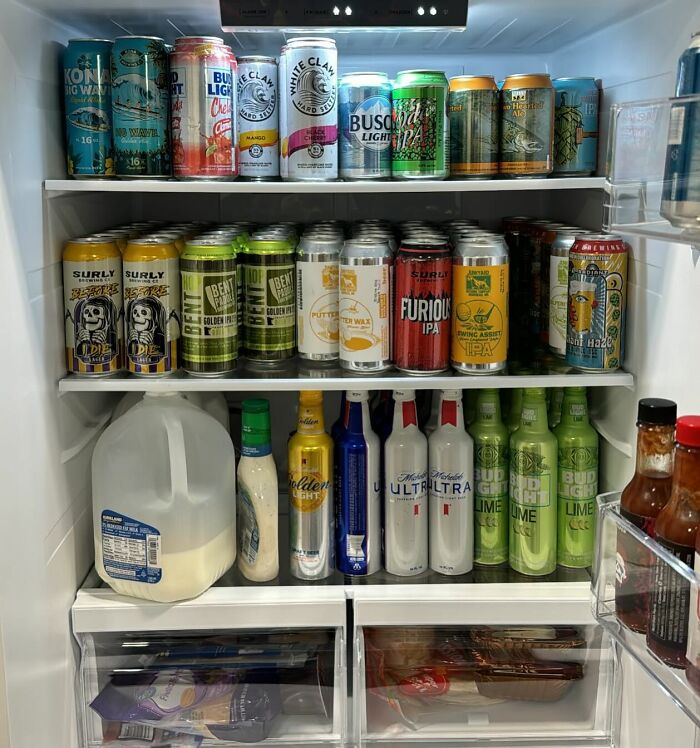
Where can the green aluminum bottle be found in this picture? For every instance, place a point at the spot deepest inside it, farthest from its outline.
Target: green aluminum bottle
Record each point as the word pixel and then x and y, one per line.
pixel 577 485
pixel 491 481
pixel 533 490
pixel 516 409
pixel 555 400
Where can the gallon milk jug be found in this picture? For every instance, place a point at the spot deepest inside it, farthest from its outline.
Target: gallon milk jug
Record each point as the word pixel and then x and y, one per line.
pixel 213 402
pixel 164 500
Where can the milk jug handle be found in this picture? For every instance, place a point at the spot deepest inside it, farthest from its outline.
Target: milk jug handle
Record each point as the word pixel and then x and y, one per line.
pixel 176 454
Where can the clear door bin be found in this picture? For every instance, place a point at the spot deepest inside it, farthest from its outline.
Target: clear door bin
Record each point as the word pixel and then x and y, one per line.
pixel 473 684
pixel 640 587
pixel 653 170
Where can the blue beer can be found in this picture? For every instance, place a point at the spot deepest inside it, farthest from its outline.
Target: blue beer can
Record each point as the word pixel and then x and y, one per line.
pixel 358 482
pixel 576 107
pixel 141 107
pixel 87 86
pixel 680 201
pixel 365 126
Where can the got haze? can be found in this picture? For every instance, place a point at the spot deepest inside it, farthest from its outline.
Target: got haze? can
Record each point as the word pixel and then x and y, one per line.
pixel 87 85
pixel 420 137
pixel 141 107
pixel 527 126
pixel 595 336
pixel 312 109
pixel 575 126
pixel 258 117
pixel 365 126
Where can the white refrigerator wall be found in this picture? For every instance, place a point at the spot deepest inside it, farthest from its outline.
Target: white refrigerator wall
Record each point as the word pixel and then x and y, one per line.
pixel 46 440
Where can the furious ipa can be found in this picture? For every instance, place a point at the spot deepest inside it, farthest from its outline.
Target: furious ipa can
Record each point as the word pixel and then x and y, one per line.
pixel 92 288
pixel 312 110
pixel 258 117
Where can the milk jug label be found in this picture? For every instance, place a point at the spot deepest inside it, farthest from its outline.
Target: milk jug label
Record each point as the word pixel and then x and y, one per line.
pixel 130 549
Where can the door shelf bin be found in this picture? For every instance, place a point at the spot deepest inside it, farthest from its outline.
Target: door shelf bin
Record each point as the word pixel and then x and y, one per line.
pixel 281 684
pixel 638 142
pixel 627 556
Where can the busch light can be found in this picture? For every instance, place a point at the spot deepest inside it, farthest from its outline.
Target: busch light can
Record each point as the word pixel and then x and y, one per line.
pixel 312 110
pixel 365 126
pixel 358 488
pixel 87 84
pixel 575 126
pixel 258 117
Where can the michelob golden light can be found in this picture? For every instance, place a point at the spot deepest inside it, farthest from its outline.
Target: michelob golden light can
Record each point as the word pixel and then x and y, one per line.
pixel 92 292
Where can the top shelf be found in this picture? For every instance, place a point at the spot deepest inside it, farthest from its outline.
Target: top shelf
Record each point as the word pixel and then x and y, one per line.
pixel 57 187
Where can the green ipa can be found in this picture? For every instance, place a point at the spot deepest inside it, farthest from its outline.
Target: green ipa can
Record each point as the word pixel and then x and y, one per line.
pixel 269 312
pixel 533 490
pixel 209 307
pixel 420 132
pixel 490 480
pixel 578 481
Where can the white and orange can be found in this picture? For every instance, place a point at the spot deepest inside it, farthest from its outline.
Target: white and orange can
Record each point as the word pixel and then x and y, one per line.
pixel 203 109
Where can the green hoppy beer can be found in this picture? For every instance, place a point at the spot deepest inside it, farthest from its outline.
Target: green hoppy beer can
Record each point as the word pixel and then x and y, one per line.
pixel 577 482
pixel 490 480
pixel 209 338
pixel 420 131
pixel 533 490
pixel 269 312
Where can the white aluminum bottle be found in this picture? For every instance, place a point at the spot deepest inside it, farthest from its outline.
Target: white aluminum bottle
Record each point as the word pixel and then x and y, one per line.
pixel 406 491
pixel 451 480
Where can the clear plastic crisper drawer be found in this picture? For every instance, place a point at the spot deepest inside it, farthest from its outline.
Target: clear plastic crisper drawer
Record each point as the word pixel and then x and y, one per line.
pixel 218 688
pixel 475 684
pixel 653 169
pixel 647 599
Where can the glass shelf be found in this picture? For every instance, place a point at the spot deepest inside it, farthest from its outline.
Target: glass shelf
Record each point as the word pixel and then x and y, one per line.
pixel 643 135
pixel 627 556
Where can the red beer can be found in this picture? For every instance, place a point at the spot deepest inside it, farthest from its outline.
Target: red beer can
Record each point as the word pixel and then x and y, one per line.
pixel 203 109
pixel 422 306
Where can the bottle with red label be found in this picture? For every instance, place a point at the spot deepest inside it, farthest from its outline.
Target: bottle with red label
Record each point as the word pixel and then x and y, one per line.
pixel 642 500
pixel 422 307
pixel 676 530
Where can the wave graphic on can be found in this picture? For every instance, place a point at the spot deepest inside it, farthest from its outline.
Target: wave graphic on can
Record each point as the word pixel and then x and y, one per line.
pixel 256 102
pixel 315 90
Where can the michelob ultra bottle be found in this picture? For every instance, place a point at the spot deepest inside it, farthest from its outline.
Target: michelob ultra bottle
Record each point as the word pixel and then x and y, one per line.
pixel 533 490
pixel 451 477
pixel 311 518
pixel 406 491
pixel 577 484
pixel 491 439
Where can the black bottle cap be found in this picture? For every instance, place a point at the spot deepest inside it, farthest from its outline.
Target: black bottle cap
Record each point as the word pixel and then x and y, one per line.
pixel 657 410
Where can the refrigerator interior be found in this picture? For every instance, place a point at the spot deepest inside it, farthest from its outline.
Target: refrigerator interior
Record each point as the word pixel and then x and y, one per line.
pixel 46 536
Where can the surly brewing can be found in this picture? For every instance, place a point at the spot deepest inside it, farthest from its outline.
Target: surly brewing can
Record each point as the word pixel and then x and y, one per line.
pixel 317 297
pixel 366 276
pixel 152 306
pixel 480 284
pixel 141 107
pixel 358 490
pixel 258 117
pixel 202 100
pixel 527 126
pixel 209 307
pixel 87 86
pixel 92 292
pixel 422 307
pixel 559 288
pixel 365 126
pixel 533 490
pixel 268 293
pixel 420 138
pixel 595 336
pixel 575 126
pixel 312 109
pixel 474 121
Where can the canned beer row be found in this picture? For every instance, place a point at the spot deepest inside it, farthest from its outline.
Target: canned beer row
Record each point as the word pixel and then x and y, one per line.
pixel 137 108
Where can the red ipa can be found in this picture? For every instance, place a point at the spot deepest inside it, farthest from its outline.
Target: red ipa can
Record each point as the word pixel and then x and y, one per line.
pixel 422 307
pixel 203 108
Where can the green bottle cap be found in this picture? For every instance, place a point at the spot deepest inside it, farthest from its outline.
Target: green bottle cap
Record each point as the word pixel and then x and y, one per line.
pixel 255 434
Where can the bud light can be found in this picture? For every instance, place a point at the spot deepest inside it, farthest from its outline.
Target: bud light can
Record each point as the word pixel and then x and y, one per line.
pixel 358 486
pixel 365 126
pixel 258 117
pixel 88 100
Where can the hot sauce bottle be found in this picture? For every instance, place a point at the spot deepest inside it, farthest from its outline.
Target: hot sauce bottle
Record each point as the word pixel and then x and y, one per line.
pixel 642 500
pixel 676 530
